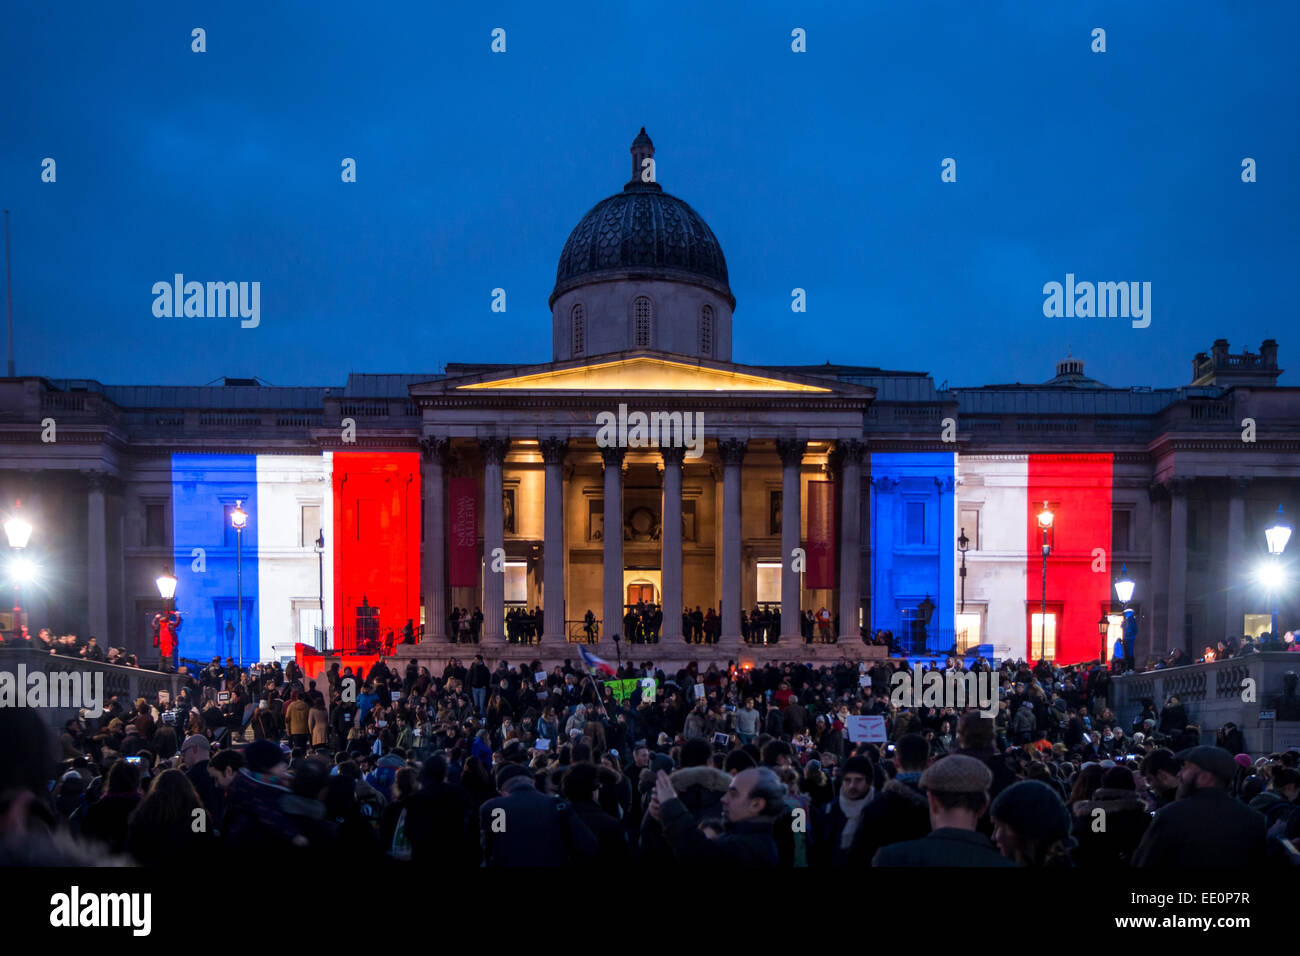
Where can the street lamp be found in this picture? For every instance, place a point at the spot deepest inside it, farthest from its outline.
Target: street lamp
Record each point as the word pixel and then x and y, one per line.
pixel 1045 518
pixel 238 520
pixel 963 545
pixel 1103 628
pixel 19 531
pixel 1124 586
pixel 1277 537
pixel 320 562
pixel 1124 591
pixel 166 587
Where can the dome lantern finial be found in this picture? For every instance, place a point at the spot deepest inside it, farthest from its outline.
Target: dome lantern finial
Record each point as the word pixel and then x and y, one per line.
pixel 643 175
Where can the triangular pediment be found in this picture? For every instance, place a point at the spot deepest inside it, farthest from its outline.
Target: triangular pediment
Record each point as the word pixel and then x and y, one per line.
pixel 646 373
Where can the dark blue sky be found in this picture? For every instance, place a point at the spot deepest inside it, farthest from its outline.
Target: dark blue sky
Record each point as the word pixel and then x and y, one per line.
pixel 818 170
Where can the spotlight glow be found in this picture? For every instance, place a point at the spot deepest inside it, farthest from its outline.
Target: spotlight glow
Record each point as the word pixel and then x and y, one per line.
pixel 1271 576
pixel 23 570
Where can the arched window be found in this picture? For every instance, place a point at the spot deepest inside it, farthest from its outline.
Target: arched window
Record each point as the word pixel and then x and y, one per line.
pixel 579 323
pixel 706 330
pixel 641 318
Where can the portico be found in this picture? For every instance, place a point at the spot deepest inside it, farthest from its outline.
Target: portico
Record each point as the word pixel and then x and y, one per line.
pixel 602 527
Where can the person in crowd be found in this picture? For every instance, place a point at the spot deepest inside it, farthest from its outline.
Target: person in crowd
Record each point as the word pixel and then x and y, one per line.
pixel 1204 826
pixel 900 812
pixel 750 808
pixel 106 818
pixel 1031 825
pixel 525 827
pixel 956 788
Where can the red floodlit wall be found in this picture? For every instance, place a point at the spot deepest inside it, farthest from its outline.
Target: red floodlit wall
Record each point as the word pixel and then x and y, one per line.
pixel 376 539
pixel 1078 488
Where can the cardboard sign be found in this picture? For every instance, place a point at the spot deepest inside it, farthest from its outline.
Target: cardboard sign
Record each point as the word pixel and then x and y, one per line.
pixel 542 745
pixel 648 689
pixel 864 680
pixel 164 697
pixel 866 729
pixel 223 697
pixel 699 691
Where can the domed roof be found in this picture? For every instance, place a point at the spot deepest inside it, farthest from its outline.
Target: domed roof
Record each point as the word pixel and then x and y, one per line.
pixel 642 229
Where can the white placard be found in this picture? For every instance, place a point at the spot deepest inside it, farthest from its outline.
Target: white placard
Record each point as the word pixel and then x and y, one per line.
pixel 866 729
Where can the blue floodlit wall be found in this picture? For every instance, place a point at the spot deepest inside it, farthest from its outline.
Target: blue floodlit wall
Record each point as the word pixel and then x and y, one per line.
pixel 913 543
pixel 203 486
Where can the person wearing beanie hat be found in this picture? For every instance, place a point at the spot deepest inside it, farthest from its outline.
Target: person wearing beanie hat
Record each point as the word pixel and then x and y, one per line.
pixel 1031 825
pixel 956 788
pixel 1205 826
pixel 846 810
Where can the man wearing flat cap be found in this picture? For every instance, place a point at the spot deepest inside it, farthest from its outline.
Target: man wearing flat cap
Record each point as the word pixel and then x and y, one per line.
pixel 957 788
pixel 1205 826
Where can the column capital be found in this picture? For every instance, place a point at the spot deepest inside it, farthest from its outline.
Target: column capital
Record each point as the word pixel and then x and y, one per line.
pixel 435 449
pixel 791 450
pixel 1158 491
pixel 1239 486
pixel 732 450
pixel 102 481
pixel 494 450
pixel 946 484
pixel 1179 487
pixel 852 451
pixel 673 454
pixel 553 450
pixel 612 455
pixel 883 485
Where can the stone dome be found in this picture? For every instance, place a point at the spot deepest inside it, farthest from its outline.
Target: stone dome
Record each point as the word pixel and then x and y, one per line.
pixel 642 232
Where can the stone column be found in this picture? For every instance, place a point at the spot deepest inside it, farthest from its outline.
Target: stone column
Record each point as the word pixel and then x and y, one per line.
pixel 1234 600
pixel 671 541
pixel 791 452
pixel 97 556
pixel 1177 635
pixel 433 558
pixel 1154 631
pixel 851 454
pixel 553 451
pixel 612 592
pixel 732 452
pixel 494 539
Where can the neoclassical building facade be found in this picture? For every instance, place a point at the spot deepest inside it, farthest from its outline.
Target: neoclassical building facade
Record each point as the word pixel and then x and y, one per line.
pixel 796 488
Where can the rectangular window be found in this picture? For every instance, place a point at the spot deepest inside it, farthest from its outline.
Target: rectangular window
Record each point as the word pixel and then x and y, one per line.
pixel 969 524
pixel 768 590
pixel 967 627
pixel 915 523
pixel 517 582
pixel 1121 523
pixel 155 531
pixel 310 526
pixel 1042 647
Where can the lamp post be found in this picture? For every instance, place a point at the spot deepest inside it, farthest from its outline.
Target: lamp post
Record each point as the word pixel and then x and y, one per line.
pixel 320 564
pixel 1045 518
pixel 1103 628
pixel 167 590
pixel 1277 538
pixel 19 531
pixel 1124 591
pixel 238 520
pixel 963 545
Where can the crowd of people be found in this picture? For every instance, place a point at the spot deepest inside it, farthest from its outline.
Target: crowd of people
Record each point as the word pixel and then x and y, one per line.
pixel 515 765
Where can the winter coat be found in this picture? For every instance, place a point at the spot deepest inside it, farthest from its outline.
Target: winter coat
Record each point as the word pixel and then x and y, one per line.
pixel 947 846
pixel 700 790
pixel 1125 820
pixel 1207 828
pixel 899 812
pixel 746 844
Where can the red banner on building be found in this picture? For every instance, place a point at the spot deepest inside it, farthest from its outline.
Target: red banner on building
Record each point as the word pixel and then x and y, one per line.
pixel 462 533
pixel 821 535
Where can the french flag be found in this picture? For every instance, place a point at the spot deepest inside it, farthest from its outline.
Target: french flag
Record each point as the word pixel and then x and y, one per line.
pixel 595 663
